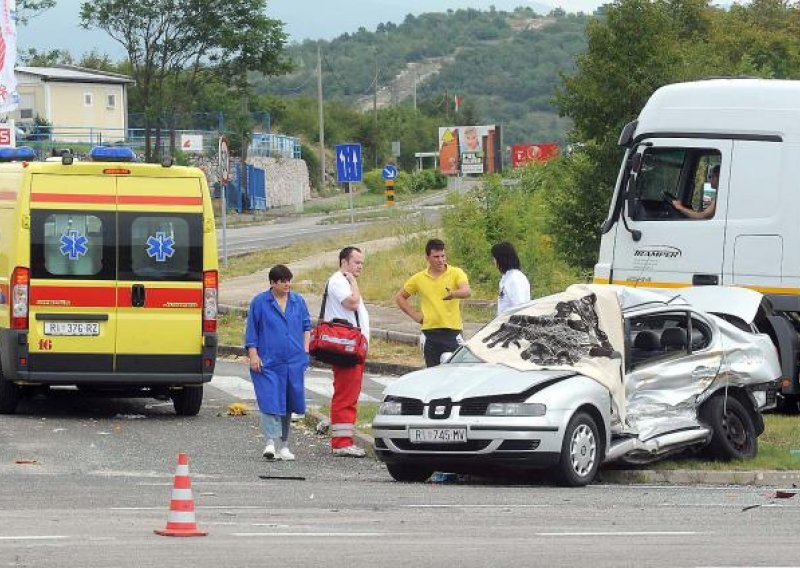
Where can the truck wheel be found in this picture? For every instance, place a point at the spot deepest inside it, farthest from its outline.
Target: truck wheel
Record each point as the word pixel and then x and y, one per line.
pixel 789 404
pixel 733 432
pixel 408 473
pixel 581 452
pixel 187 401
pixel 9 396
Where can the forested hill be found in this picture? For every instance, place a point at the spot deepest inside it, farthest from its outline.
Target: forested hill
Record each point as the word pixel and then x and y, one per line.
pixel 505 65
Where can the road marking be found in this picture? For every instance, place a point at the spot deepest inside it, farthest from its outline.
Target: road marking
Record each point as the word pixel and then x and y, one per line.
pixel 256 507
pixel 32 537
pixel 323 386
pixel 621 533
pixel 384 380
pixel 234 386
pixel 317 535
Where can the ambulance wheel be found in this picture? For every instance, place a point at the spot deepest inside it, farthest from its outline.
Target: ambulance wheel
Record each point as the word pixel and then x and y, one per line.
pixel 9 396
pixel 187 401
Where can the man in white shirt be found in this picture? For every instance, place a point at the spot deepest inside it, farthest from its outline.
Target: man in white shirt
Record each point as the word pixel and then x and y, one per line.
pixel 344 302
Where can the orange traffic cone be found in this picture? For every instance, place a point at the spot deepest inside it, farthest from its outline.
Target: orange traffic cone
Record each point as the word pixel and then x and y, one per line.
pixel 181 508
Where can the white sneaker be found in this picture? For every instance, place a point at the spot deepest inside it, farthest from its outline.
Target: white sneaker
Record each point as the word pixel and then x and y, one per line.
pixel 269 450
pixel 352 451
pixel 285 454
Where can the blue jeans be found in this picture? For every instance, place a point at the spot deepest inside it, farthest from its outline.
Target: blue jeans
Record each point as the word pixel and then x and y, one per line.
pixel 276 426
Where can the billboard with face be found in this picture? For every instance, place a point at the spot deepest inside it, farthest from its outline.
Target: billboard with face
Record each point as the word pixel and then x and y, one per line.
pixel 469 149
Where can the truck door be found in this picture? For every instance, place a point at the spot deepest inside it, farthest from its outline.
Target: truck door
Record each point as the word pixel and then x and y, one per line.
pixel 160 288
pixel 680 246
pixel 73 274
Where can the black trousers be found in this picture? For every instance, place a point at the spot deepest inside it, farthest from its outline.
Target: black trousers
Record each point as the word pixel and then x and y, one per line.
pixel 438 341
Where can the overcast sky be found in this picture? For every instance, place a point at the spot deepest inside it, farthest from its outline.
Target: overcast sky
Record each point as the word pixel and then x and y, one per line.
pixel 59 27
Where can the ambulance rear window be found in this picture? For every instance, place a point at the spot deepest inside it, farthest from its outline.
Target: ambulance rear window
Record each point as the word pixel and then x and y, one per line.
pixel 72 244
pixel 155 246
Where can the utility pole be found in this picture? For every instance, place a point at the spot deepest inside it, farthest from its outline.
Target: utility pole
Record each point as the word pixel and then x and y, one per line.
pixel 375 109
pixel 415 87
pixel 321 120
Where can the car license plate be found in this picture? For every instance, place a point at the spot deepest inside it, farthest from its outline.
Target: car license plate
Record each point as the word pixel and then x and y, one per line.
pixel 71 328
pixel 437 435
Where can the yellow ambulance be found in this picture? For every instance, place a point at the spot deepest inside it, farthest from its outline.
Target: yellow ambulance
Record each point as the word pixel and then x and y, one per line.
pixel 108 277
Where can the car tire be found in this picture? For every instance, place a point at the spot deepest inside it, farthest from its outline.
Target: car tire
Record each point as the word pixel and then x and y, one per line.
pixel 733 431
pixel 581 452
pixel 408 473
pixel 187 401
pixel 9 396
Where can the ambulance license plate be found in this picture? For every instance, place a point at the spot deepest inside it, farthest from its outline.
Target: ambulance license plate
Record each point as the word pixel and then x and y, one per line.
pixel 71 328
pixel 437 435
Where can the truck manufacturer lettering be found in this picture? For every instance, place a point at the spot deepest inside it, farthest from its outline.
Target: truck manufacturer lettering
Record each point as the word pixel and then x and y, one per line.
pixel 658 251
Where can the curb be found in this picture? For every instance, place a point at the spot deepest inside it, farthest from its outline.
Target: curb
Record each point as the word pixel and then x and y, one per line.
pixel 376 367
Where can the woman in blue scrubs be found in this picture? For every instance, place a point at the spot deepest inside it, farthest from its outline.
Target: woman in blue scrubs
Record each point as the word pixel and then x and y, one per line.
pixel 276 338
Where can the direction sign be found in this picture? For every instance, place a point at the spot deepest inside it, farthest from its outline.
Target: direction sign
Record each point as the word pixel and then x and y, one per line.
pixel 348 163
pixel 389 172
pixel 224 160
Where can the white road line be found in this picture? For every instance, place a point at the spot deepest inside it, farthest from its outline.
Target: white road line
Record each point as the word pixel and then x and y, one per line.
pixel 32 537
pixel 621 533
pixel 384 380
pixel 234 386
pixel 323 386
pixel 467 506
pixel 225 507
pixel 316 535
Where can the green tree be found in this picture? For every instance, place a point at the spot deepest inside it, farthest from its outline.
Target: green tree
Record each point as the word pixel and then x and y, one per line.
pixel 175 45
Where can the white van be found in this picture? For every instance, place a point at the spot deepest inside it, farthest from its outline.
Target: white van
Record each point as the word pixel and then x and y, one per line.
pixel 668 226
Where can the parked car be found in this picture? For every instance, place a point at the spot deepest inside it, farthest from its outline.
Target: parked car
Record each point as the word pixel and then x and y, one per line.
pixel 595 374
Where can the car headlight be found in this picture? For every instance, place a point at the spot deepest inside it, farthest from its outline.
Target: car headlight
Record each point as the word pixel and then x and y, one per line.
pixel 516 409
pixel 391 408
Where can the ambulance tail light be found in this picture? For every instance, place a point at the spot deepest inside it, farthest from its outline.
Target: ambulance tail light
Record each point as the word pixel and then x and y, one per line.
pixel 20 282
pixel 210 287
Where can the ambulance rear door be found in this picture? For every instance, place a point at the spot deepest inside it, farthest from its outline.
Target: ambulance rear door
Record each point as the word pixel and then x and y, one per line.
pixel 160 287
pixel 673 250
pixel 72 274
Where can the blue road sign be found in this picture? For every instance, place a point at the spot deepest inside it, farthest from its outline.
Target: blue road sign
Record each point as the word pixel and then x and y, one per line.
pixel 389 172
pixel 348 163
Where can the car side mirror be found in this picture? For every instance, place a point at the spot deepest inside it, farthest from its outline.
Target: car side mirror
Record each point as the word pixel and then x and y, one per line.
pixel 445 357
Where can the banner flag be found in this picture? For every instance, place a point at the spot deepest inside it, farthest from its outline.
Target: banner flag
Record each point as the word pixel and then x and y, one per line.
pixel 9 97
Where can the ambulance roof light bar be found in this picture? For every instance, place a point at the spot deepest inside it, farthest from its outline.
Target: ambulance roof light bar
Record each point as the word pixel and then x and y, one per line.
pixel 20 154
pixel 112 154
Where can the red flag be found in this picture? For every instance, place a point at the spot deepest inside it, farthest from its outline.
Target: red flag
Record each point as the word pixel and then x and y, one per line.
pixel 458 100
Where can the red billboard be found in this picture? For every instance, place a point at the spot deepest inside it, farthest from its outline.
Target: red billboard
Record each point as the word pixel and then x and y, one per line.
pixel 521 154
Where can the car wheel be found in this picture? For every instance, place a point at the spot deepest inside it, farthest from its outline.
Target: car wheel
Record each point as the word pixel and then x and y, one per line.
pixel 409 473
pixel 733 431
pixel 187 401
pixel 581 452
pixel 9 396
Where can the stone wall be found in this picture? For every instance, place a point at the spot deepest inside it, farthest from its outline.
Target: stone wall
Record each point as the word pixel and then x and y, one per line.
pixel 287 179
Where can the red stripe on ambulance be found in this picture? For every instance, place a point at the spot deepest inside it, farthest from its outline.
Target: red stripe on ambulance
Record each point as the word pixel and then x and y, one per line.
pixel 79 296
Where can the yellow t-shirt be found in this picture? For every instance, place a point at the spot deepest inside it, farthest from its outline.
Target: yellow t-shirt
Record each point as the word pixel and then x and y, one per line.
pixel 436 311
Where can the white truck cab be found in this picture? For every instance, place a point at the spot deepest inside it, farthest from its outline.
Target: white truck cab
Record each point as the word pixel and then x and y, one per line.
pixel 709 194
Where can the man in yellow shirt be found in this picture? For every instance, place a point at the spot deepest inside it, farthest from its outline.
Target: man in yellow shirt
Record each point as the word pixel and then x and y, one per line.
pixel 440 288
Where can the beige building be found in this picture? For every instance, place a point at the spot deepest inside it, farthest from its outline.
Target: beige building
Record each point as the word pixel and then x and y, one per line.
pixel 83 105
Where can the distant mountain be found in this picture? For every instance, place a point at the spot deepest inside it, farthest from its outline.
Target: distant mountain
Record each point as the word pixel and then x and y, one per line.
pixel 505 64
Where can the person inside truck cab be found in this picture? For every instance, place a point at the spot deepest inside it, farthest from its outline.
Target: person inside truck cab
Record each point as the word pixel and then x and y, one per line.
pixel 708 210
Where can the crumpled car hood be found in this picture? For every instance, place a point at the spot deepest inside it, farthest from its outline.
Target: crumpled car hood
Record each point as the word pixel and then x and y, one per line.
pixel 460 381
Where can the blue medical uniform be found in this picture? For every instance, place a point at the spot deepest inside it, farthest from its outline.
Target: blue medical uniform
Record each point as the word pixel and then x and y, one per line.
pixel 278 338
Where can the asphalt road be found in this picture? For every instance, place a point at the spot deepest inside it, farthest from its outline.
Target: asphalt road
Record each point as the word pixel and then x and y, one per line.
pixel 85 481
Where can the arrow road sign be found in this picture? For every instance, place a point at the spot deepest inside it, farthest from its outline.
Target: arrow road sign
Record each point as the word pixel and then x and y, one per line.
pixel 389 172
pixel 348 163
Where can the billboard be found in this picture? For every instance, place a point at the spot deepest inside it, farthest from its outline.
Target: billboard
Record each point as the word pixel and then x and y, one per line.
pixel 469 149
pixel 9 98
pixel 522 154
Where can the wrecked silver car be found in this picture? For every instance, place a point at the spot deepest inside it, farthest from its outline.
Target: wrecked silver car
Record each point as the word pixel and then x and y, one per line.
pixel 594 374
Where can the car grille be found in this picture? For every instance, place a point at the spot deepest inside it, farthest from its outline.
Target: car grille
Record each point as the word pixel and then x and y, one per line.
pixel 474 407
pixel 468 446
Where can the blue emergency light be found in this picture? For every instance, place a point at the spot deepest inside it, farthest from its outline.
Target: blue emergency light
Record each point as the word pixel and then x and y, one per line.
pixel 112 154
pixel 21 154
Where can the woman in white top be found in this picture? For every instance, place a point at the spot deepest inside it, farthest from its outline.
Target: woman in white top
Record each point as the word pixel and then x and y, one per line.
pixel 514 286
